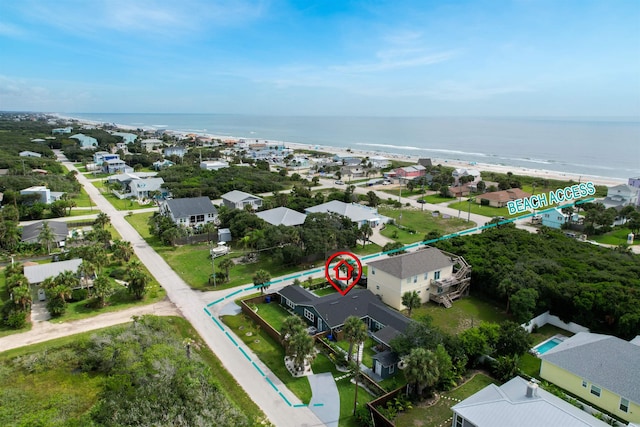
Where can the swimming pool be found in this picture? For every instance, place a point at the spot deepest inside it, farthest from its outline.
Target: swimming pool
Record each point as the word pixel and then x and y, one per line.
pixel 547 345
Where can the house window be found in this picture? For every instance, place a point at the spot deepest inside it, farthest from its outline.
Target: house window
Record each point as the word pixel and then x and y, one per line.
pixel 377 287
pixel 408 280
pixel 584 383
pixel 595 390
pixel 459 421
pixel 289 303
pixel 415 279
pixel 200 218
pixel 426 275
pixel 373 271
pixel 392 369
pixel 436 275
pixel 309 315
pixel 624 404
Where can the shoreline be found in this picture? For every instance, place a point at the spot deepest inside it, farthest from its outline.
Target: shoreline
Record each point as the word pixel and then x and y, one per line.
pixel 483 167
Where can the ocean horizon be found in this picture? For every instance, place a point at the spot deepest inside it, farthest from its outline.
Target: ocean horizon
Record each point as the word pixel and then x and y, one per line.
pixel 605 147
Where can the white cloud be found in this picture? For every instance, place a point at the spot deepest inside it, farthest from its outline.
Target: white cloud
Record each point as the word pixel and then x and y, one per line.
pixel 393 60
pixel 10 30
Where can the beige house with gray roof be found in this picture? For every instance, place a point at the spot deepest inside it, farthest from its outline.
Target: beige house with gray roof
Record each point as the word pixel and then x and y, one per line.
pixel 434 274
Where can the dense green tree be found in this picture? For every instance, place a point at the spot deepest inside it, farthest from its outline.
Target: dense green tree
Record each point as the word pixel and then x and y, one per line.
pixel 421 370
pixel 122 250
pixel 261 279
pixel 137 279
pixel 513 340
pixel 523 304
pixel 290 326
pixel 411 300
pixel 103 288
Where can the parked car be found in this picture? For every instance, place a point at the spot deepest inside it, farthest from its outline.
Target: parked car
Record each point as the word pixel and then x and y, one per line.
pixel 422 201
pixel 387 182
pixel 339 182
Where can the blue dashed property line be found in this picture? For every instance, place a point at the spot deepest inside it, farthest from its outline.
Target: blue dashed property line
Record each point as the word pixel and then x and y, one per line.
pixel 231 338
pixel 318 270
pixel 258 368
pixel 284 398
pixel 245 353
pixel 272 384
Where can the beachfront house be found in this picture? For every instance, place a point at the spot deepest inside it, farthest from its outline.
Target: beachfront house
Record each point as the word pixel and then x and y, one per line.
pixel 358 214
pixel 434 274
pixel 282 216
pixel 410 172
pixel 380 162
pixel 499 199
pixel 519 403
pixel 473 174
pixel 190 212
pixel 635 183
pixel 127 138
pixel 600 369
pixel 621 195
pixel 239 200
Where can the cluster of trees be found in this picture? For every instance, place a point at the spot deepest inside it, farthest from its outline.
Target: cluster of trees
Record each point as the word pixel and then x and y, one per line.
pixel 531 273
pixel 297 342
pixel 436 360
pixel 192 181
pixel 599 219
pixel 17 299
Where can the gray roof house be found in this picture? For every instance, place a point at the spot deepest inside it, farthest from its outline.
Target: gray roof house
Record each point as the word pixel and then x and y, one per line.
pixel 31 232
pixel 282 216
pixel 519 403
pixel 601 369
pixel 192 212
pixel 239 199
pixel 38 273
pixel 357 213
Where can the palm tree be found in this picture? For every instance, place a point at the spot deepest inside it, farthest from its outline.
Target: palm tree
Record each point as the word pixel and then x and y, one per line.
pixel 226 265
pixel 421 369
pixel 86 270
pixel 355 332
pixel 137 278
pixel 46 236
pixel 64 283
pixel 365 232
pixel 411 300
pixel 301 346
pixel 22 296
pixel 122 250
pixel 261 279
pixel 289 327
pixel 103 289
pixel 102 220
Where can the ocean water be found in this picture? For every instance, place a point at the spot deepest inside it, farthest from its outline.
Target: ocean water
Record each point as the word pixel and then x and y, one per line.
pixel 589 146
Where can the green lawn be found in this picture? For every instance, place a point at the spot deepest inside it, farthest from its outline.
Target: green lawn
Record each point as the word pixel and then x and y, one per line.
pixel 437 198
pixel 82 200
pixel 347 392
pixel 120 204
pixel 465 313
pixel 369 249
pixel 273 313
pixel 548 331
pixel 437 414
pixel 422 222
pixel 270 352
pixel 325 291
pixel 193 264
pixel 616 237
pixel 367 353
pixel 529 365
pixel 61 396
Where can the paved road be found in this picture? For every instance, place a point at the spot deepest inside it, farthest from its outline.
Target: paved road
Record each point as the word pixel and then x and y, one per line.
pixel 189 302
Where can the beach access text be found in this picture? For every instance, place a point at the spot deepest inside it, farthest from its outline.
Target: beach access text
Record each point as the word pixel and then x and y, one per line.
pixel 538 201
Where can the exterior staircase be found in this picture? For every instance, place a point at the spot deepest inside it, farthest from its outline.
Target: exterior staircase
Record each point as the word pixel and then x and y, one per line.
pixel 456 285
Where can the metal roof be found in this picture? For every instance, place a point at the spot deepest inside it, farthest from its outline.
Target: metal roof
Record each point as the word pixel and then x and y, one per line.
pixel 236 196
pixel 413 263
pixel 353 211
pixel 508 406
pixel 31 232
pixel 38 273
pixel 282 216
pixel 606 361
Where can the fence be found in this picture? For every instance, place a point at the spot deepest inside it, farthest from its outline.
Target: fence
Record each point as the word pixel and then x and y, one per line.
pixel 554 320
pixel 380 420
pixel 197 238
pixel 256 317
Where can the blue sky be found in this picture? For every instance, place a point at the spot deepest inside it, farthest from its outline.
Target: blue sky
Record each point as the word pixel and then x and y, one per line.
pixel 398 58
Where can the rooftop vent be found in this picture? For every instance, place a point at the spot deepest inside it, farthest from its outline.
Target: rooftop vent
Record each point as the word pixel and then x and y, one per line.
pixel 532 389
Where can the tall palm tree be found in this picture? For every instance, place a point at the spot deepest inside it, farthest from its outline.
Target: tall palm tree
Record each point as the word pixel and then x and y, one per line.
pixel 355 332
pixel 261 279
pixel 226 265
pixel 411 300
pixel 137 278
pixel 86 270
pixel 103 289
pixel 289 327
pixel 22 296
pixel 421 369
pixel 302 348
pixel 122 250
pixel 102 220
pixel 46 237
pixel 64 283
pixel 365 231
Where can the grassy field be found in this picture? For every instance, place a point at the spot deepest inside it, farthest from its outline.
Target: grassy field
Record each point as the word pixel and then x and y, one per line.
pixel 616 237
pixel 421 222
pixel 369 249
pixel 367 353
pixel 437 414
pixel 465 313
pixel 273 313
pixel 82 200
pixel 62 397
pixel 270 352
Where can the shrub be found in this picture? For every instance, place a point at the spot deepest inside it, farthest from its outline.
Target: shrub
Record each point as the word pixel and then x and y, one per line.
pixel 118 273
pixel 79 294
pixel 17 319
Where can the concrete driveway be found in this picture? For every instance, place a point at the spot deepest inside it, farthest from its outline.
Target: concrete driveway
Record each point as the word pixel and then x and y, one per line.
pixel 325 393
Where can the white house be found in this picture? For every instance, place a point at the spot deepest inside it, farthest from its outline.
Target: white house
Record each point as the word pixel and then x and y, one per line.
pixel 460 172
pixel 140 185
pixel 115 165
pixel 29 154
pixel 45 195
pixel 621 195
pixel 357 213
pixel 430 272
pixel 519 403
pixel 192 212
pixel 100 157
pixel 213 165
pixel 86 142
pixel 175 151
pixel 239 199
pixel 282 216
pixel 150 143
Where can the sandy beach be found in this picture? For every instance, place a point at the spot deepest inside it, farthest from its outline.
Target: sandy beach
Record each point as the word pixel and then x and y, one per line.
pixel 516 170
